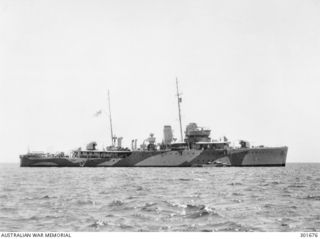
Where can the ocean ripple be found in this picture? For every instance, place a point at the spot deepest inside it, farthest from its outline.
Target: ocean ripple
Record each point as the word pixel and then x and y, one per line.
pixel 160 199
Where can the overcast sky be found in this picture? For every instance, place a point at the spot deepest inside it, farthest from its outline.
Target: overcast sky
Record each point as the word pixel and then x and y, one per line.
pixel 247 69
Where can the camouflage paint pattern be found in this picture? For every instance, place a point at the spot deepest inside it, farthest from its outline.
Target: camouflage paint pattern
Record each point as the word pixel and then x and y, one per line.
pixel 246 157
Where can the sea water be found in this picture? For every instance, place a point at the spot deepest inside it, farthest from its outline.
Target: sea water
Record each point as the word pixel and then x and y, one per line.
pixel 160 199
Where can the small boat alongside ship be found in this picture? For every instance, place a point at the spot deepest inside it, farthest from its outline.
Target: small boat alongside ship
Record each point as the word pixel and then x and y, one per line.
pixel 196 149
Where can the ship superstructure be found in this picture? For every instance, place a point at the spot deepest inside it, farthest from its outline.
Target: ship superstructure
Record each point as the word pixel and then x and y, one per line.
pixel 196 149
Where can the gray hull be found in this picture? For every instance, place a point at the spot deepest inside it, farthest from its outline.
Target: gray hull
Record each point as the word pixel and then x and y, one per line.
pixel 250 157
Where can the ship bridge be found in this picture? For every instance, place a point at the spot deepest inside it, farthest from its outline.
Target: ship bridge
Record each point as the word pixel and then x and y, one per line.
pixel 196 134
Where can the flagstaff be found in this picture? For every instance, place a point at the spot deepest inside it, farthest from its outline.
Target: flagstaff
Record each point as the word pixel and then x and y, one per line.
pixel 110 118
pixel 179 101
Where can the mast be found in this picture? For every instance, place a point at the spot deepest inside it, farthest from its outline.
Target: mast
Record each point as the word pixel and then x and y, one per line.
pixel 110 118
pixel 179 101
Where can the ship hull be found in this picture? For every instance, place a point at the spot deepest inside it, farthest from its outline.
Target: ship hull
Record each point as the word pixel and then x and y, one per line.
pixel 251 157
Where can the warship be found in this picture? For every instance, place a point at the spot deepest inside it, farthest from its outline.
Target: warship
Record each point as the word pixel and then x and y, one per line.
pixel 196 149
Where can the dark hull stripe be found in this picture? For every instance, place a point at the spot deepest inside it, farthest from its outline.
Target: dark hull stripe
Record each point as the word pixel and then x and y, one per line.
pixel 261 165
pixel 257 157
pixel 155 166
pixel 135 158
